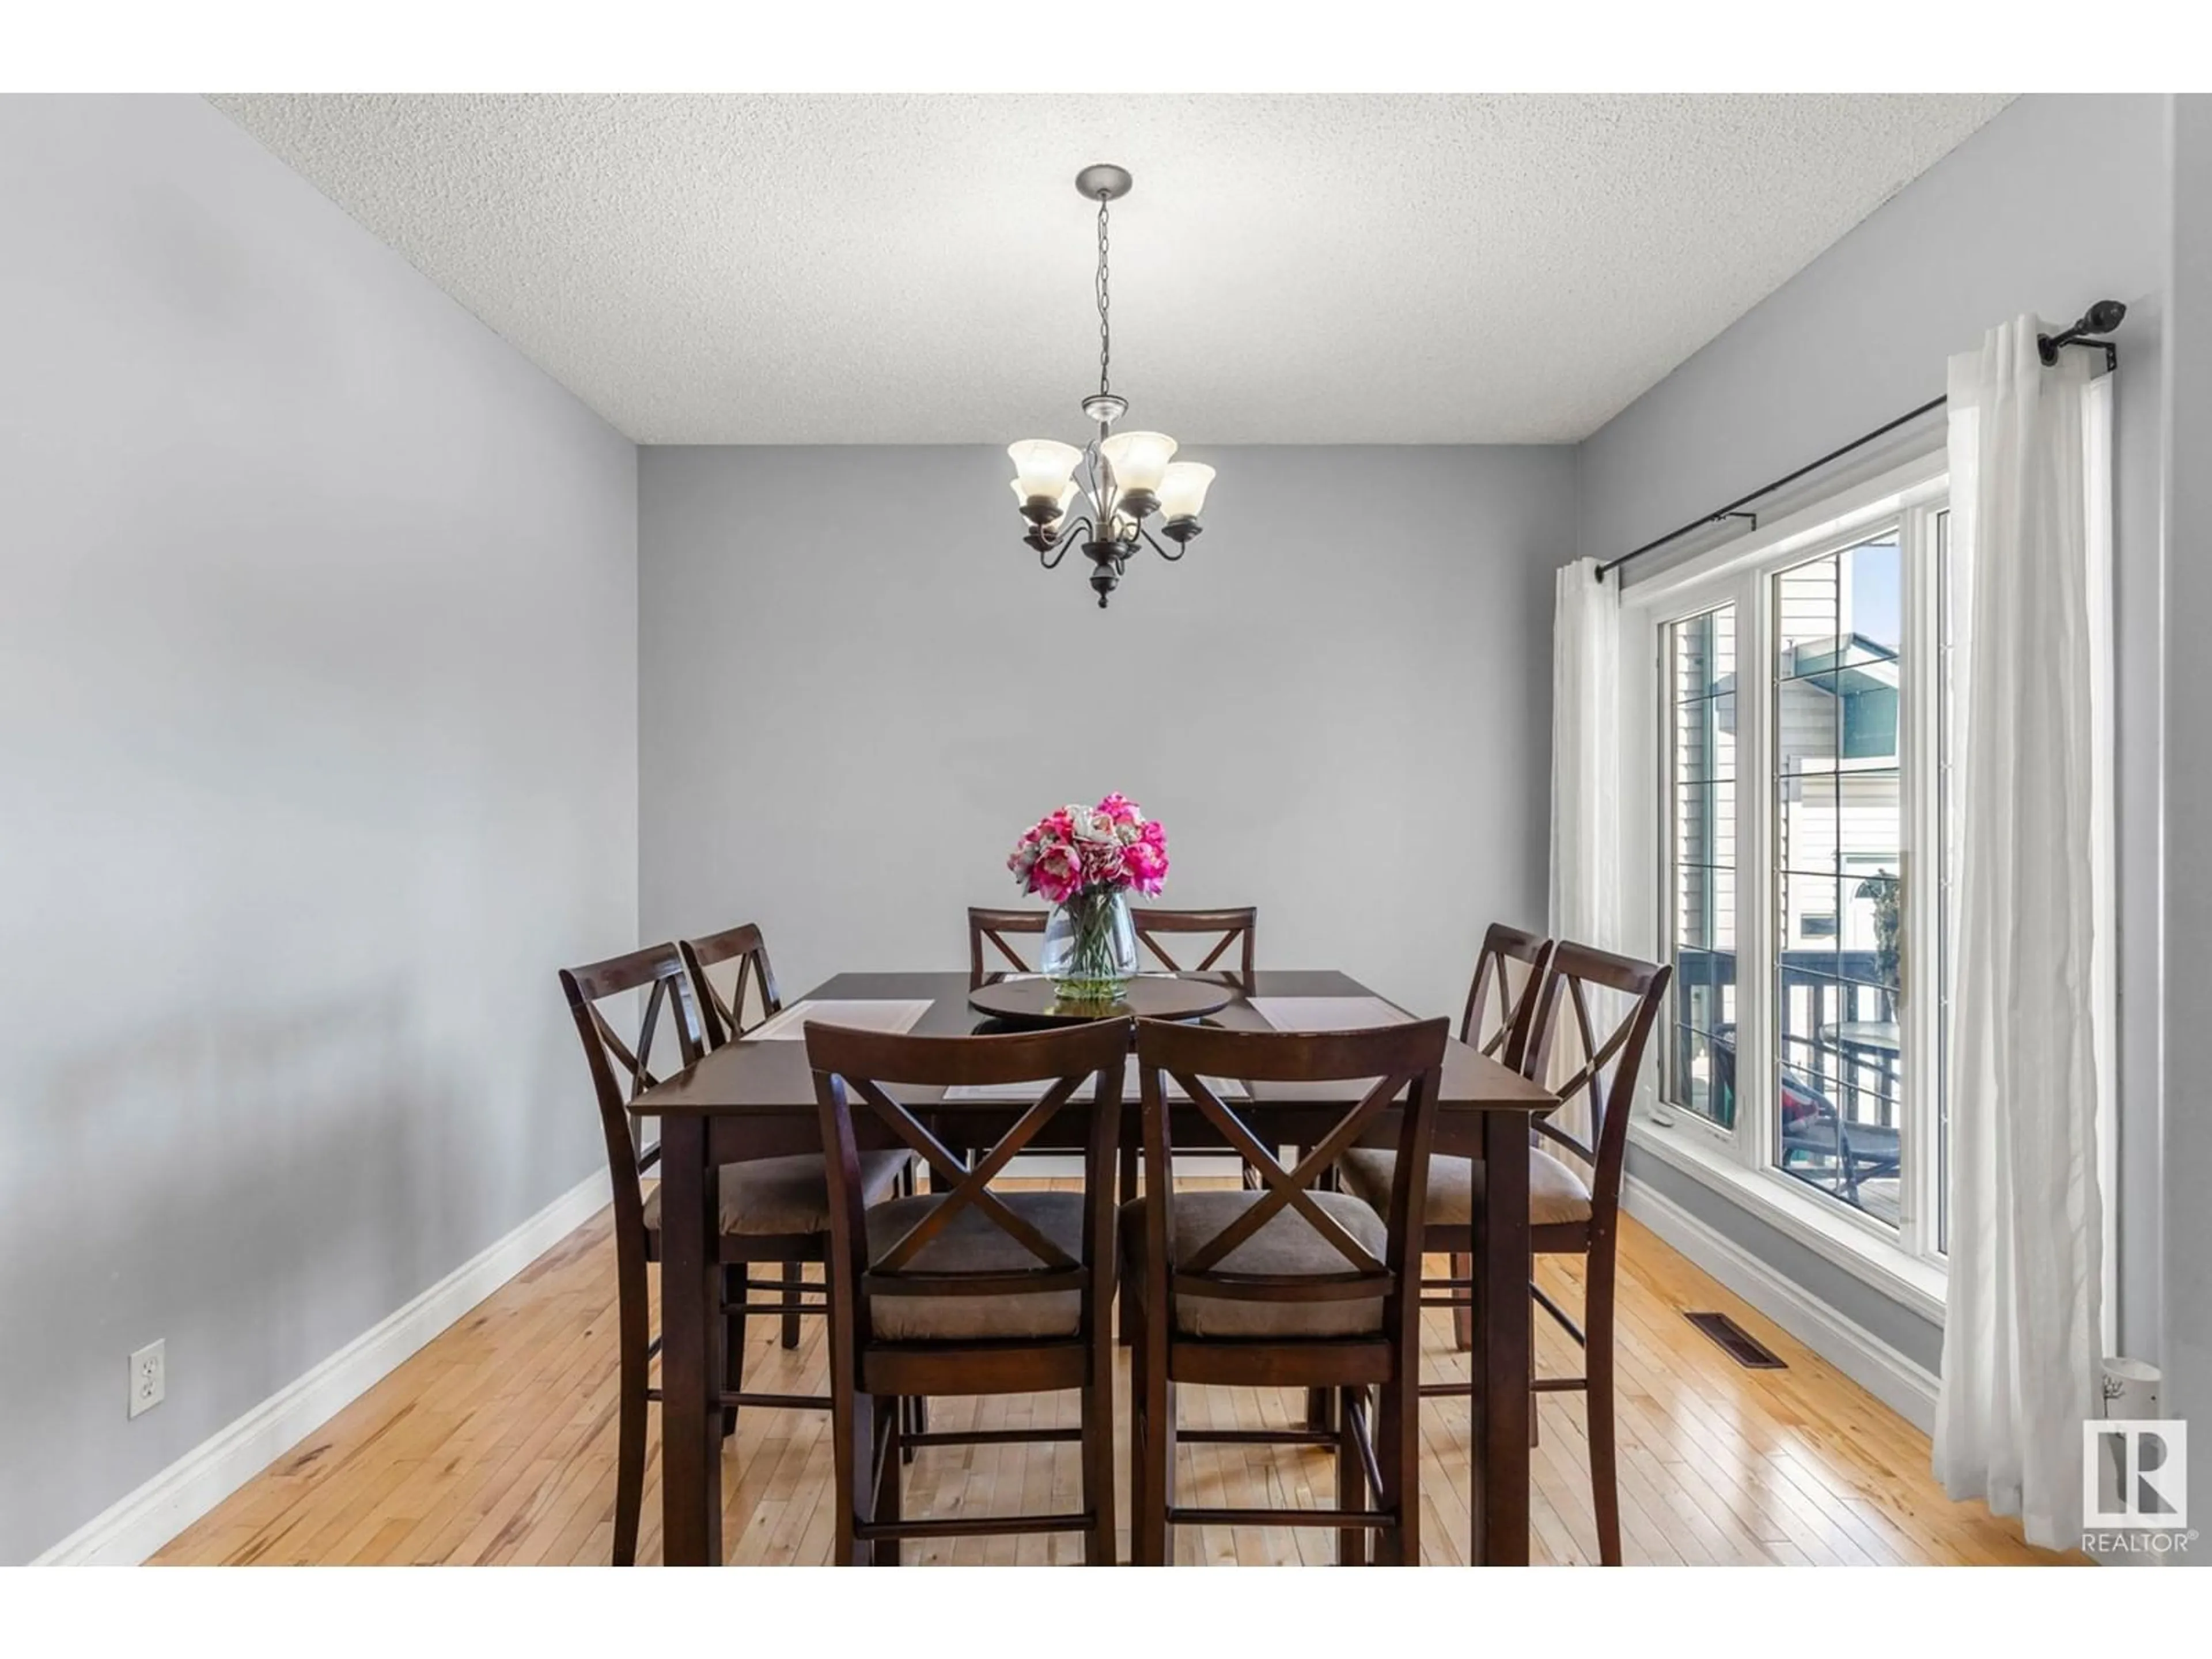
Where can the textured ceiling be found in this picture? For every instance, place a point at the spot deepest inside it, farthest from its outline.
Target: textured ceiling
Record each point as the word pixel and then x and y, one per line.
pixel 1288 270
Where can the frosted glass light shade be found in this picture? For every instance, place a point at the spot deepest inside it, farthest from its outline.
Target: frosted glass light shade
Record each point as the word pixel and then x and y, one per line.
pixel 1139 458
pixel 1183 490
pixel 1042 465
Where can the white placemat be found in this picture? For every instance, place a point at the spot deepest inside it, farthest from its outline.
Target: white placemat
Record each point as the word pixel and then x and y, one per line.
pixel 878 1016
pixel 1328 1013
pixel 1225 1088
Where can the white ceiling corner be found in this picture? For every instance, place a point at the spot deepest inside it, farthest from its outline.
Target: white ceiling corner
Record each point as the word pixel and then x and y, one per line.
pixel 1288 270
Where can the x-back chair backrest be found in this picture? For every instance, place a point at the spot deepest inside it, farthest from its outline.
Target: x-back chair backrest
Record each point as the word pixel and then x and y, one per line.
pixel 1232 928
pixel 622 1068
pixel 1609 1065
pixel 992 927
pixel 725 1022
pixel 1502 1032
pixel 1383 1062
pixel 867 1067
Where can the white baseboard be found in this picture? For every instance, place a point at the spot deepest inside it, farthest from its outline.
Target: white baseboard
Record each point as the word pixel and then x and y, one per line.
pixel 133 1529
pixel 1900 1382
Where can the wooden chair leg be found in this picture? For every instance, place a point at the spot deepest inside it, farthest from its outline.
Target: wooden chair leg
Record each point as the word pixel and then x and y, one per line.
pixel 854 1432
pixel 1139 1430
pixel 794 1275
pixel 1462 1268
pixel 1605 1476
pixel 1351 1483
pixel 734 1344
pixel 1098 1409
pixel 1162 1472
pixel 1535 1400
pixel 1398 1460
pixel 1100 1545
pixel 629 1450
pixel 887 1492
pixel 1152 1457
pixel 1320 1409
pixel 1125 1315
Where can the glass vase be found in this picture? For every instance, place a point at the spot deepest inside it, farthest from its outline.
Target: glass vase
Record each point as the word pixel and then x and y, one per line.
pixel 1091 947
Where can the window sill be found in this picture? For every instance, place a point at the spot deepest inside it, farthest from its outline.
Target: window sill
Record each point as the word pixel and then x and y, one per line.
pixel 1905 1279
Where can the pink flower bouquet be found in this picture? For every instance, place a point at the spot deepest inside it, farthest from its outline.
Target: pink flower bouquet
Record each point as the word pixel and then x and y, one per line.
pixel 1084 861
pixel 1109 847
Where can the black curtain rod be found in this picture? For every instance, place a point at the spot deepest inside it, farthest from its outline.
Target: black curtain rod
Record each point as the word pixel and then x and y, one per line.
pixel 2101 319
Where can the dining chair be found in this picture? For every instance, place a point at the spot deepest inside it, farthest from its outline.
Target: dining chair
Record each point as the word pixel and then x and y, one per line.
pixel 992 927
pixel 1288 1286
pixel 725 1022
pixel 772 1209
pixel 725 1018
pixel 1503 1036
pixel 1226 928
pixel 1570 1213
pixel 967 1291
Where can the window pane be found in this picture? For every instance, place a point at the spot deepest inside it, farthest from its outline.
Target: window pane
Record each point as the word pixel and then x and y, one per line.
pixel 1872 930
pixel 1704 823
pixel 1810 923
pixel 1871 590
pixel 1705 739
pixel 1708 1003
pixel 1708 1078
pixel 1805 618
pixel 1809 725
pixel 1868 826
pixel 1697 1071
pixel 1704 902
pixel 1837 833
pixel 1705 654
pixel 1808 809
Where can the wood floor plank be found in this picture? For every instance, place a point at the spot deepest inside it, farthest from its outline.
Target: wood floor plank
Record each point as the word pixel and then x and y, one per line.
pixel 496 1444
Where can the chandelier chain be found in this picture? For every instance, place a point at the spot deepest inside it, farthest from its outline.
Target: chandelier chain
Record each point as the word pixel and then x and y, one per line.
pixel 1105 332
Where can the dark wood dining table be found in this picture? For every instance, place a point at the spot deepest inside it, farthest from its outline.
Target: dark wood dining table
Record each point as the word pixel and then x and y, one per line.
pixel 756 1099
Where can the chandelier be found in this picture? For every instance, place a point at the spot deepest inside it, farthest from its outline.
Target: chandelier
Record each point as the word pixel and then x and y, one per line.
pixel 1128 477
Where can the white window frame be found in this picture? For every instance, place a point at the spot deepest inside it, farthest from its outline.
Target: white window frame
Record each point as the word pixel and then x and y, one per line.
pixel 1903 1262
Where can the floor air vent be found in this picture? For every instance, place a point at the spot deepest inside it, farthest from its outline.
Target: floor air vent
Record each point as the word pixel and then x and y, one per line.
pixel 1739 1344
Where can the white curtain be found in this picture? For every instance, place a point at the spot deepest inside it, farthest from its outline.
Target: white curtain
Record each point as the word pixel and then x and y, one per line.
pixel 2030 963
pixel 1586 808
pixel 1586 757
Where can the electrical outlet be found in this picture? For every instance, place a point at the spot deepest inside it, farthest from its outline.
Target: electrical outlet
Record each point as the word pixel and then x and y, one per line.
pixel 149 1377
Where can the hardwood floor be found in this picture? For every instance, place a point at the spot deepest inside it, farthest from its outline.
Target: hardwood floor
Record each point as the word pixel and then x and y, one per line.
pixel 495 1444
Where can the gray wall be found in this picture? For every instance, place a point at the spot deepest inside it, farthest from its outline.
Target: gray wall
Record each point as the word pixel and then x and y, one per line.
pixel 318 676
pixel 2188 1128
pixel 2057 201
pixel 857 689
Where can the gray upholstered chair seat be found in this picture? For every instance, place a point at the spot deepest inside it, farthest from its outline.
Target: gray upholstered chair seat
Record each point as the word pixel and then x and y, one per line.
pixel 1286 1246
pixel 1557 1195
pixel 973 1243
pixel 787 1195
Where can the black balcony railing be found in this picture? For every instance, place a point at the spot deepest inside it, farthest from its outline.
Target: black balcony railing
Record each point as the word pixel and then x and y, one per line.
pixel 1838 1029
pixel 1839 1060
